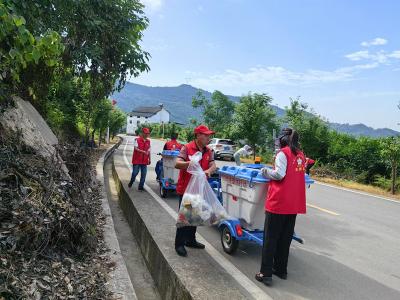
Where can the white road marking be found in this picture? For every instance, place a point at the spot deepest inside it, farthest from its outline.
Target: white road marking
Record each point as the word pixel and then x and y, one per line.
pixel 230 268
pixel 357 192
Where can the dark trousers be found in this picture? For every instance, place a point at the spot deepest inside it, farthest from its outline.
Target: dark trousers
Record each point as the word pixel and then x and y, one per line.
pixel 186 234
pixel 278 233
pixel 308 168
pixel 135 172
pixel 159 169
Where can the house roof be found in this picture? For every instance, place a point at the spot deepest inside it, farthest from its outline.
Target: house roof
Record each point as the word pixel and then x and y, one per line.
pixel 146 111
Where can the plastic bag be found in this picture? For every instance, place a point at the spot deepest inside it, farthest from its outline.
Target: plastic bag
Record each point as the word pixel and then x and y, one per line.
pixel 200 206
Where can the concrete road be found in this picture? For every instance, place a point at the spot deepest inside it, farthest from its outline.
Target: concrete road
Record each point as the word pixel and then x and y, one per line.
pixel 351 250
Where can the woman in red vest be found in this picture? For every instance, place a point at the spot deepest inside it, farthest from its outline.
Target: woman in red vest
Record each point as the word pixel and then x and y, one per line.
pixel 286 198
pixel 141 158
pixel 186 236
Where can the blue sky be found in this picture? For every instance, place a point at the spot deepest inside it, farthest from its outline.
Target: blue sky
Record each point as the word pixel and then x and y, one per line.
pixel 341 57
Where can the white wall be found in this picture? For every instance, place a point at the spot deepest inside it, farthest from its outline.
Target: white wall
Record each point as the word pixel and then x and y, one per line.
pixel 132 122
pixel 161 116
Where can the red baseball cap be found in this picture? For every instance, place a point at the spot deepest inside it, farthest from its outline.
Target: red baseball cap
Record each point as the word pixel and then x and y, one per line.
pixel 203 129
pixel 145 130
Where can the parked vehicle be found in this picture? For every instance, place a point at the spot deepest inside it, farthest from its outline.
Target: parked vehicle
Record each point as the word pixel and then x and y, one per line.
pixel 223 148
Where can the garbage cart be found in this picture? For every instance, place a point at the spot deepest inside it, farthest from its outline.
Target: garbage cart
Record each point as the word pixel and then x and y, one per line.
pixel 169 175
pixel 244 190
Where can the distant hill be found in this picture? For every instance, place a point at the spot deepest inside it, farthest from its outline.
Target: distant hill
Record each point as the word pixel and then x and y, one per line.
pixel 363 130
pixel 178 100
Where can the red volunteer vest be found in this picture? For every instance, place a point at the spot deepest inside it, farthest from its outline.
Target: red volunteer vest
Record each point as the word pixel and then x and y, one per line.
pixel 288 196
pixel 139 158
pixel 184 176
pixel 172 145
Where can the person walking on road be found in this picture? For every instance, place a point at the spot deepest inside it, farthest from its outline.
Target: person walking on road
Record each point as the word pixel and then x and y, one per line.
pixel 309 164
pixel 246 150
pixel 186 236
pixel 141 158
pixel 286 198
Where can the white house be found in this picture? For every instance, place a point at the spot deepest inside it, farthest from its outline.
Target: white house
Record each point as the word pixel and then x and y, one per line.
pixel 146 114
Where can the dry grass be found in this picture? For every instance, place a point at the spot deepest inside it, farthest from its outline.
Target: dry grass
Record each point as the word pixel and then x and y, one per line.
pixel 357 186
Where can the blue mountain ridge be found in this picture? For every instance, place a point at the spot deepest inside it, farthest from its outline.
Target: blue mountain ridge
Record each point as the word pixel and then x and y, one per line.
pixel 178 101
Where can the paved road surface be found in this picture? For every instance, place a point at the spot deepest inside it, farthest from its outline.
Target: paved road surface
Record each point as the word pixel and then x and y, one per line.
pixel 351 250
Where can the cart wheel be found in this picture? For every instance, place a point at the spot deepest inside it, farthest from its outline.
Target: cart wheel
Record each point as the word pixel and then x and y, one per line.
pixel 163 191
pixel 229 242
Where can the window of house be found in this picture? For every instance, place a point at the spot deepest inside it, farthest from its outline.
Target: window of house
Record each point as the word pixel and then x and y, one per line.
pixel 130 121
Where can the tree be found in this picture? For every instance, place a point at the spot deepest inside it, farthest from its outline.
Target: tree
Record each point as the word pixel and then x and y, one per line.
pixel 218 113
pixel 117 121
pixel 21 51
pixel 390 152
pixel 313 131
pixel 101 46
pixel 101 119
pixel 254 120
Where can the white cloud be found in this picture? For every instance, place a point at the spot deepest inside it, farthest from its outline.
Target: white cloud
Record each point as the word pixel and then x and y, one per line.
pixel 375 42
pixel 275 75
pixel 359 55
pixel 381 56
pixel 200 8
pixel 153 5
pixel 395 54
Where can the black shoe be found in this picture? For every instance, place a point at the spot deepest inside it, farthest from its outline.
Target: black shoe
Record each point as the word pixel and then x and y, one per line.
pixel 140 189
pixel 181 251
pixel 267 280
pixel 130 184
pixel 282 276
pixel 195 245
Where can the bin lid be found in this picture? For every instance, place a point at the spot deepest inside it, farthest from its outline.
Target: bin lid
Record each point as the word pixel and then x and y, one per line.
pixel 308 179
pixel 253 175
pixel 170 153
pixel 254 166
pixel 244 173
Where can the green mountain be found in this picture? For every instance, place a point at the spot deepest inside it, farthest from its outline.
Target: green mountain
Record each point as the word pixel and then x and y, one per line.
pixel 178 101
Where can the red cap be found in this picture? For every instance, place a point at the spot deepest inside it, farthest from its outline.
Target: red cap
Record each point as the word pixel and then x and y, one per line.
pixel 203 129
pixel 145 130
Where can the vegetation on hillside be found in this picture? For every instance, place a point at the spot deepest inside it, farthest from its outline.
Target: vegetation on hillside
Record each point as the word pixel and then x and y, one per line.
pixel 67 57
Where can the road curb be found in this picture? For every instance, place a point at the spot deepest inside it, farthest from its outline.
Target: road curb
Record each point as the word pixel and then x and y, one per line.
pixel 119 280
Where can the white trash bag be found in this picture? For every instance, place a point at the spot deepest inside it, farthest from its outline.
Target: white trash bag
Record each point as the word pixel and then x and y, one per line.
pixel 200 206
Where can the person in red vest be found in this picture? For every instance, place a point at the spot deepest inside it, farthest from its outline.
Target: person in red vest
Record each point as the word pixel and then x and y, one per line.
pixel 309 164
pixel 186 236
pixel 286 198
pixel 173 144
pixel 141 158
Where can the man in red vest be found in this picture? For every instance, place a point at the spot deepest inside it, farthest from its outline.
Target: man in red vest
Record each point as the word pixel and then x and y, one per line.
pixel 186 236
pixel 286 198
pixel 141 158
pixel 173 144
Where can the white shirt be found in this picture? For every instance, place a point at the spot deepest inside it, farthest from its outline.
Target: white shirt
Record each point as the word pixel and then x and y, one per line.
pixel 243 151
pixel 279 172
